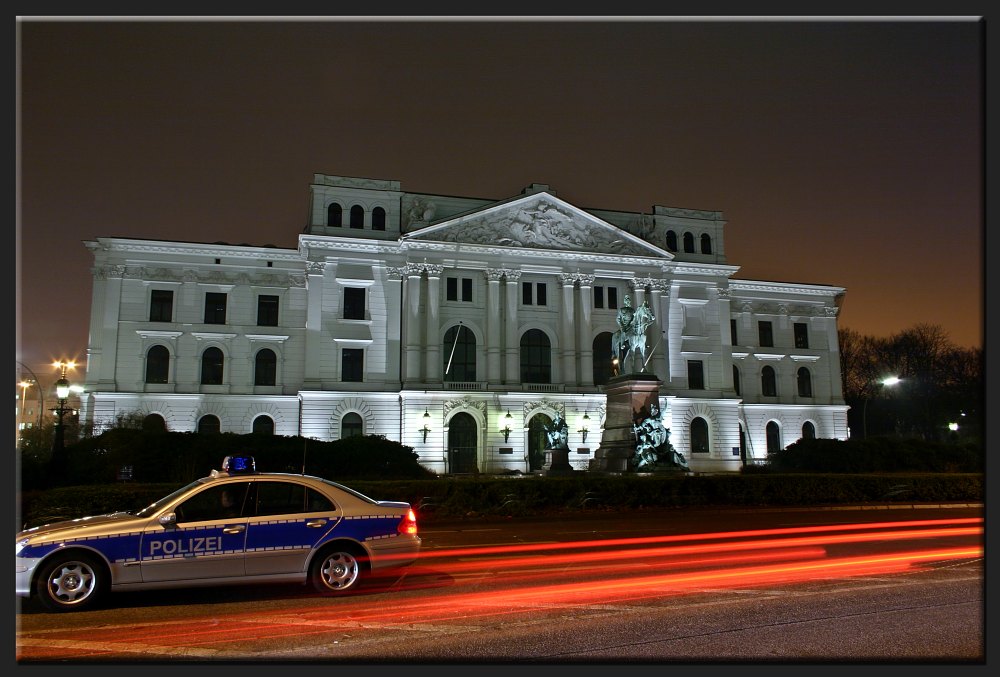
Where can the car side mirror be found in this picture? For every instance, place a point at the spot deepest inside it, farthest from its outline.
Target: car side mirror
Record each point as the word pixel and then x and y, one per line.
pixel 168 519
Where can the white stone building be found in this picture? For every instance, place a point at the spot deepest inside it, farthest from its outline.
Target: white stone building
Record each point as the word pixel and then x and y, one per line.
pixel 460 326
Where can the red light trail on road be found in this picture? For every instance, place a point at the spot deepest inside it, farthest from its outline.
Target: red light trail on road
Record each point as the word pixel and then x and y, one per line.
pixel 613 571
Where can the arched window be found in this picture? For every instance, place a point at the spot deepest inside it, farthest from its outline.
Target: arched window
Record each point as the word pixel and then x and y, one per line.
pixel 773 437
pixel 335 215
pixel 211 367
pixel 706 243
pixel 805 382
pixel 154 423
pixel 768 384
pixel 688 243
pixel 265 368
pixel 209 424
pixel 461 355
pixel 378 219
pixel 671 241
pixel 536 357
pixel 357 217
pixel 352 425
pixel 736 380
pixel 699 435
pixel 808 431
pixel 157 364
pixel 263 424
pixel 603 368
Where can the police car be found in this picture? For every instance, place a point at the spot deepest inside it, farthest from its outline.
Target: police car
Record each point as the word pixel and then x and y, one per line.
pixel 235 526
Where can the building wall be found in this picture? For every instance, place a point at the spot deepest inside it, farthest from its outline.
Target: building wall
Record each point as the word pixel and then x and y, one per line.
pixel 499 246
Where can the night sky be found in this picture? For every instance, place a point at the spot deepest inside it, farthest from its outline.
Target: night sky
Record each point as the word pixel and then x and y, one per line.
pixel 840 152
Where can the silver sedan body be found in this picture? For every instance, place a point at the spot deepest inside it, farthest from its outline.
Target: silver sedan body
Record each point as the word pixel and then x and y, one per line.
pixel 227 528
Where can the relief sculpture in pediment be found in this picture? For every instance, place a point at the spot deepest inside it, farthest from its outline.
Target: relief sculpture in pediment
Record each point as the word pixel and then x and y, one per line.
pixel 542 225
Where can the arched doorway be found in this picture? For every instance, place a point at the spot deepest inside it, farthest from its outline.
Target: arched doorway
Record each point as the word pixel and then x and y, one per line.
pixel 462 436
pixel 537 440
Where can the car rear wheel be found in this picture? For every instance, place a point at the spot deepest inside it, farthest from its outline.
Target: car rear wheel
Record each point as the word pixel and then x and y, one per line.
pixel 70 582
pixel 337 570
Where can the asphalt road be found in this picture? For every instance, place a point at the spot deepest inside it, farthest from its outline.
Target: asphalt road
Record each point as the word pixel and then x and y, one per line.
pixel 767 586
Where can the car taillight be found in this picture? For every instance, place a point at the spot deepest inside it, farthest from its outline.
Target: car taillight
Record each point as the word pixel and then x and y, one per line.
pixel 408 525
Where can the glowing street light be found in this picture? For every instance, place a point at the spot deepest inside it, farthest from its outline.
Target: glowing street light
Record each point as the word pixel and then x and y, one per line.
pixel 20 428
pixel 888 381
pixel 62 394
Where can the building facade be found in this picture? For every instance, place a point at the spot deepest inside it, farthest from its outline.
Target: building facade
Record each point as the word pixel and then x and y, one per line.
pixel 461 327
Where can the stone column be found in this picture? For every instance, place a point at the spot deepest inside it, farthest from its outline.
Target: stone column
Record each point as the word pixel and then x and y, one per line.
pixel 433 367
pixel 658 340
pixel 413 330
pixel 314 325
pixel 512 344
pixel 584 340
pixel 725 340
pixel 568 333
pixel 494 321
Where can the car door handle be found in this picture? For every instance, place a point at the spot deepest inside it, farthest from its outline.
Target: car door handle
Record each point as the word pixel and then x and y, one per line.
pixel 238 529
pixel 315 524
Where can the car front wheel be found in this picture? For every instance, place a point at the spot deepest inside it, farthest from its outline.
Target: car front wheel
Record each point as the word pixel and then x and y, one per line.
pixel 70 582
pixel 337 571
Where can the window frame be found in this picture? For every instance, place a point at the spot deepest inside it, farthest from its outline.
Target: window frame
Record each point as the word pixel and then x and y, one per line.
pixel 158 307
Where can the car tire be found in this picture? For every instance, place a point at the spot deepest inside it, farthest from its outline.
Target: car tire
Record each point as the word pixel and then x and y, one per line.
pixel 70 582
pixel 337 570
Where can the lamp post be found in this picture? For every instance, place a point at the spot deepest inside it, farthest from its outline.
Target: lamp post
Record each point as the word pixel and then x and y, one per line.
pixel 62 394
pixel 888 381
pixel 41 392
pixel 20 419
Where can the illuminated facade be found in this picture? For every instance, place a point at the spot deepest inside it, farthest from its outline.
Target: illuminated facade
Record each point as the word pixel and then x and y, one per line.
pixel 459 327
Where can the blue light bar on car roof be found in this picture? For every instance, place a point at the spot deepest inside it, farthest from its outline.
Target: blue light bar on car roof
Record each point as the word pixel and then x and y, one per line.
pixel 239 465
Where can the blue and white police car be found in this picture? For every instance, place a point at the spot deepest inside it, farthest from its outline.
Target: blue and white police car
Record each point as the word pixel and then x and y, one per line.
pixel 235 526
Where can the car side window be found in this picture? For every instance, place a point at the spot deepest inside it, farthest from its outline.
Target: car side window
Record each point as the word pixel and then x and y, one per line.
pixel 225 501
pixel 283 498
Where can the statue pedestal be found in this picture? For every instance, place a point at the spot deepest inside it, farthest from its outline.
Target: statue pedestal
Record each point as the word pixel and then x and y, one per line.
pixel 626 396
pixel 557 462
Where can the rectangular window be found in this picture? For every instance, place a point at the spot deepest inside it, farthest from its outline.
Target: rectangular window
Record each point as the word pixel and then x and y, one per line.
pixel 352 364
pixel 801 335
pixel 215 308
pixel 161 305
pixel 732 333
pixel 598 297
pixel 613 298
pixel 766 337
pixel 696 375
pixel 354 303
pixel 267 311
pixel 533 293
pixel 451 288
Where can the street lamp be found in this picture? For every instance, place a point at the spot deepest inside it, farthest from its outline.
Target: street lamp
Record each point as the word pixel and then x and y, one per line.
pixel 888 381
pixel 62 394
pixel 20 427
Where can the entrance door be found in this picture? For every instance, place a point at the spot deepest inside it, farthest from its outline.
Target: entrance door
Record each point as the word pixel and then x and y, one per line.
pixel 537 440
pixel 462 436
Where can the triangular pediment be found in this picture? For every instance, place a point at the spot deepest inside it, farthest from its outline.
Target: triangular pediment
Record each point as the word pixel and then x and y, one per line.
pixel 538 221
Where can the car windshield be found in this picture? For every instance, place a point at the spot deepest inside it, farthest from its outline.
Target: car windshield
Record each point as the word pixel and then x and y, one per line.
pixel 153 507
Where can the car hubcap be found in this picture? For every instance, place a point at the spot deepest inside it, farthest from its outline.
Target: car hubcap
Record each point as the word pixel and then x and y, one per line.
pixel 340 571
pixel 71 583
